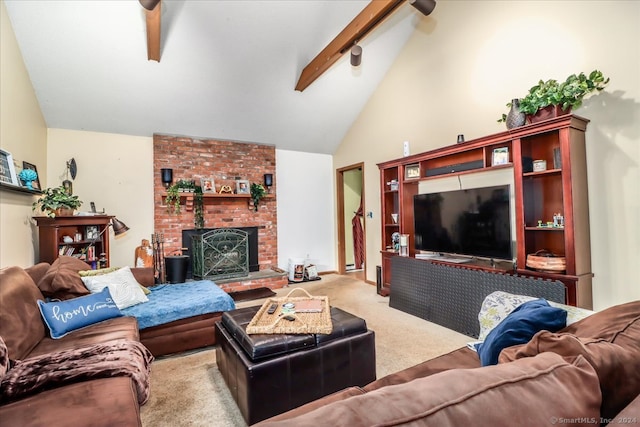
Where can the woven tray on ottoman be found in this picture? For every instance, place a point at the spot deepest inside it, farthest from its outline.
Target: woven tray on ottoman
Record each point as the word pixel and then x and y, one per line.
pixel 302 323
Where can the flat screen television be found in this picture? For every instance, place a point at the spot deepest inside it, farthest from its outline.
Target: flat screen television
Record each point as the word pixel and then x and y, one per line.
pixel 472 222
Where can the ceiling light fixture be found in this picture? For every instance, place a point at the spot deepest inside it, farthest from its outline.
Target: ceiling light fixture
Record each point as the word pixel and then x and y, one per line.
pixel 356 55
pixel 424 6
pixel 149 4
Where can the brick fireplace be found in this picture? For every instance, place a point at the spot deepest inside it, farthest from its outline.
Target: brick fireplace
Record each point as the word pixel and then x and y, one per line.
pixel 224 162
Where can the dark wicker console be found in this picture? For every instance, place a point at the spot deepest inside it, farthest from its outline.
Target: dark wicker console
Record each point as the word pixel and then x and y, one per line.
pixel 452 296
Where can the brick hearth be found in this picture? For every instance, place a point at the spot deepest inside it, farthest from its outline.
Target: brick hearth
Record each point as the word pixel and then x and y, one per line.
pixel 225 162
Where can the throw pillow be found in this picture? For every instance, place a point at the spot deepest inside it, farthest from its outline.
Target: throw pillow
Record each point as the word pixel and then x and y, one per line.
pixel 97 272
pixel 617 366
pixel 62 280
pixel 62 317
pixel 497 306
pixel 21 324
pixel 101 271
pixel 519 327
pixel 608 324
pixel 123 286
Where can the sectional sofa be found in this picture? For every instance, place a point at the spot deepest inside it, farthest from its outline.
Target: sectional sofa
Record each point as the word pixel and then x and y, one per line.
pixel 69 356
pixel 586 374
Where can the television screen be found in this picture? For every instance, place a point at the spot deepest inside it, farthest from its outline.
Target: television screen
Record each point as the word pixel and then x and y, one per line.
pixel 467 222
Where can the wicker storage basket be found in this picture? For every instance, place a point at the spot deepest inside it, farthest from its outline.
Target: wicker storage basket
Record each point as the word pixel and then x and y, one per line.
pixel 303 323
pixel 547 262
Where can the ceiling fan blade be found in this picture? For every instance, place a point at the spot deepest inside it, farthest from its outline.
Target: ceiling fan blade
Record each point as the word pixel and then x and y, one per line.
pixel 370 17
pixel 153 28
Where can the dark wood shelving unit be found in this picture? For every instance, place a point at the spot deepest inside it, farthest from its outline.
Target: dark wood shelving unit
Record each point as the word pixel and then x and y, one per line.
pixel 562 188
pixel 51 232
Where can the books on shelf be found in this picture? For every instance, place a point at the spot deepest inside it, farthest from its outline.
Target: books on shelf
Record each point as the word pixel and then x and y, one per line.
pixel 66 250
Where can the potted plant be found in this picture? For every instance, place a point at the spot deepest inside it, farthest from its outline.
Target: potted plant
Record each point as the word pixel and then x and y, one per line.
pixel 173 200
pixel 257 193
pixel 56 201
pixel 552 98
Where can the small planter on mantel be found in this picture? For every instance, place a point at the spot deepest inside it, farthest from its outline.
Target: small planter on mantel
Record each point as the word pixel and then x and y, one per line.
pixel 546 113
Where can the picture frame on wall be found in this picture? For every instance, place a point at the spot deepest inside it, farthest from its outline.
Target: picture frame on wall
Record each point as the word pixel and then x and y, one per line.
pixel 36 182
pixel 242 186
pixel 208 185
pixel 7 169
pixel 500 156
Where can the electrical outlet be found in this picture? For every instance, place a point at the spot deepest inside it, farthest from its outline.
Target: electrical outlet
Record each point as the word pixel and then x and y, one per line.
pixel 405 148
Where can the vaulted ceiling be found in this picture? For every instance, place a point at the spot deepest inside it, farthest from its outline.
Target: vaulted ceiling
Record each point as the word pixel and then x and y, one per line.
pixel 228 69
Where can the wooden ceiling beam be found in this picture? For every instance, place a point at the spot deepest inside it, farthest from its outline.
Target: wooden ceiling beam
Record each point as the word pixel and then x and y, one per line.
pixel 153 31
pixel 370 17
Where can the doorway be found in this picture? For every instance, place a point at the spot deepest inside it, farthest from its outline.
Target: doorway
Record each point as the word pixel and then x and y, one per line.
pixel 351 223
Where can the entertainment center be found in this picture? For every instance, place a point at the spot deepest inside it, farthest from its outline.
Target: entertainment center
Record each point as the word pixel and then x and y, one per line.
pixel 539 205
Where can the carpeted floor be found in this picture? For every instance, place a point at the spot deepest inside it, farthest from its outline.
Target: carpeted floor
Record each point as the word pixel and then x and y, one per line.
pixel 188 390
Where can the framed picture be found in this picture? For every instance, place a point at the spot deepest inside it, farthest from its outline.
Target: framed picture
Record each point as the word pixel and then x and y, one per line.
pixel 36 182
pixel 91 232
pixel 208 185
pixel 242 186
pixel 412 171
pixel 7 169
pixel 500 156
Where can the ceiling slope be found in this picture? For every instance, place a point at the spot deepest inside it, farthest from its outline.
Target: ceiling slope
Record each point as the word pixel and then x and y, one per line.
pixel 228 68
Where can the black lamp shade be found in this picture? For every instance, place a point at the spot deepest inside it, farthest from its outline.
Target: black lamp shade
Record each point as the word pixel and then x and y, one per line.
pixel 119 227
pixel 268 179
pixel 167 177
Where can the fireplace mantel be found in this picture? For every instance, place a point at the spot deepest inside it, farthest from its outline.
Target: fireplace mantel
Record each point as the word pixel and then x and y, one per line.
pixel 210 198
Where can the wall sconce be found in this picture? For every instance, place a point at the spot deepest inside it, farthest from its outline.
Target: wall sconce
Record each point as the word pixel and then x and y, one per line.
pixel 72 169
pixel 268 181
pixel 356 55
pixel 167 177
pixel 424 6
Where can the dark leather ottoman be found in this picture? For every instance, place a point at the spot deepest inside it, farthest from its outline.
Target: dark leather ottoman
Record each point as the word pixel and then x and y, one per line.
pixel 270 374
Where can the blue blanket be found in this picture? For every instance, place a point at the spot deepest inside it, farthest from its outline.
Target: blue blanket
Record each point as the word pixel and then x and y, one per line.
pixel 179 301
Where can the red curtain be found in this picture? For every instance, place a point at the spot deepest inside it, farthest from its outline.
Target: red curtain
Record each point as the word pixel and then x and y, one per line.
pixel 358 237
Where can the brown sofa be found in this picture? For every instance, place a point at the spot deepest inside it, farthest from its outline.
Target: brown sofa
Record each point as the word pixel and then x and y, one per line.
pixel 586 374
pixel 103 401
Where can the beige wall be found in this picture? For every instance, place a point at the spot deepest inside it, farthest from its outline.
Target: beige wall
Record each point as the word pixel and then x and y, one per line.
pixel 23 132
pixel 466 61
pixel 116 173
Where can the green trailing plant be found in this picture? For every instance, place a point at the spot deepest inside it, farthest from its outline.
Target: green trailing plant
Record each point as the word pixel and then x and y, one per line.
pixel 568 94
pixel 172 200
pixel 257 193
pixel 198 207
pixel 56 198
